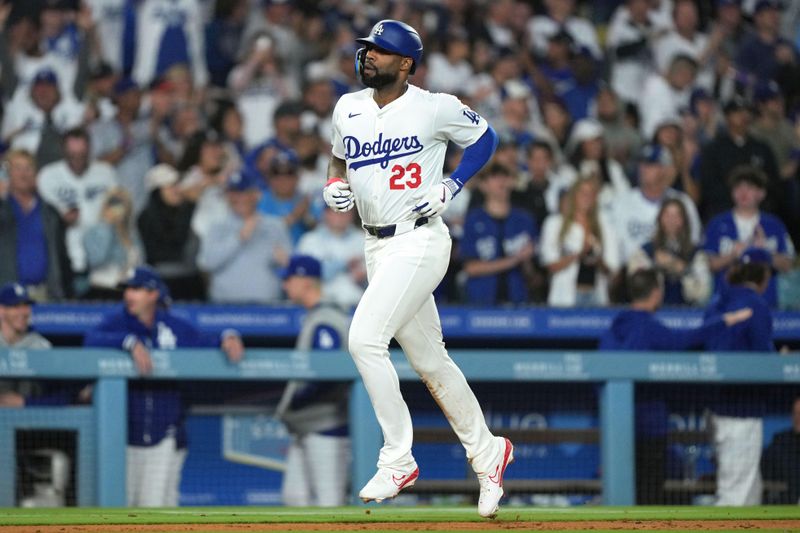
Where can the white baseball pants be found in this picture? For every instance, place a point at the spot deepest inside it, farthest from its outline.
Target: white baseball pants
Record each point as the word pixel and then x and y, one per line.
pixel 738 442
pixel 317 471
pixel 403 271
pixel 154 474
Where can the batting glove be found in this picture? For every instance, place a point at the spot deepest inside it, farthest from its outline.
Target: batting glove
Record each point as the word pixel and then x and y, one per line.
pixel 436 201
pixel 337 195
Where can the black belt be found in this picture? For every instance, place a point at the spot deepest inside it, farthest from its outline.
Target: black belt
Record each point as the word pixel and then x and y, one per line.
pixel 391 230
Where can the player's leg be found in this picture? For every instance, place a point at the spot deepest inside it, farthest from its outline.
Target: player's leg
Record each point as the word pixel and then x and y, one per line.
pixel 173 483
pixel 329 469
pixel 295 490
pixel 421 339
pixel 134 458
pixel 738 444
pixel 403 271
pixel 155 472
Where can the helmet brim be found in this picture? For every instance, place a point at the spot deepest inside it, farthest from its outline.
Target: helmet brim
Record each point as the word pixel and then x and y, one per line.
pixel 370 40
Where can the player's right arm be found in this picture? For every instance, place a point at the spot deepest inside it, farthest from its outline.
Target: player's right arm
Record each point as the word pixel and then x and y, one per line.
pixel 337 168
pixel 337 193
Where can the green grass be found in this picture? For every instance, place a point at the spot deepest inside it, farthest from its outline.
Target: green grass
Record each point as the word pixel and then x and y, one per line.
pixel 387 513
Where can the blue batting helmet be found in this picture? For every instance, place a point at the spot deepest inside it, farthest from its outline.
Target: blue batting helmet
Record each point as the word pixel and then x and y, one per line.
pixel 395 37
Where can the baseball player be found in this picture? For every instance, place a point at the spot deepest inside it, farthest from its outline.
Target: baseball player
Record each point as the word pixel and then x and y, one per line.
pixel 318 459
pixel 389 144
pixel 156 412
pixel 737 421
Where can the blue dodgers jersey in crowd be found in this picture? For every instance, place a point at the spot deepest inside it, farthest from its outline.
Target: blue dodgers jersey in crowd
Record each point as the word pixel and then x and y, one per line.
pixel 721 235
pixel 155 407
pixel 486 238
pixel 752 335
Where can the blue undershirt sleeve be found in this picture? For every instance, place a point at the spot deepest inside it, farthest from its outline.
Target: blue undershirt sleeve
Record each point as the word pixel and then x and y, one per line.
pixel 475 156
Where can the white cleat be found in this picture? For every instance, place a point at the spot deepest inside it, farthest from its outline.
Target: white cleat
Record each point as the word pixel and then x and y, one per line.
pixel 491 482
pixel 387 484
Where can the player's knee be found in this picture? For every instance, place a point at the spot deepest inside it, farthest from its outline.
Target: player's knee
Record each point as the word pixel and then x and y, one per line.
pixel 427 367
pixel 361 342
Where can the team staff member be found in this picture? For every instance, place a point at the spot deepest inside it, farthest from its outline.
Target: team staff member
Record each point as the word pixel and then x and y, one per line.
pixel 737 424
pixel 15 319
pixel 389 143
pixel 638 329
pixel 318 460
pixel 156 432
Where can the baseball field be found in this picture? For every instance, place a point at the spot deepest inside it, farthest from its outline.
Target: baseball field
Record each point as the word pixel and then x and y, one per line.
pixel 398 518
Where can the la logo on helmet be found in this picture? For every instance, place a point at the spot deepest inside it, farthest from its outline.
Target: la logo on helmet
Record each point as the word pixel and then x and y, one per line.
pixel 379 29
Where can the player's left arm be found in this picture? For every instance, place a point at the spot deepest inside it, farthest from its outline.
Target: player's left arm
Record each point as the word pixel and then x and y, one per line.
pixel 475 156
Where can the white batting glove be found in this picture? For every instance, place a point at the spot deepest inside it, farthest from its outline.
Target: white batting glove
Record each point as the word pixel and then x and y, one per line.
pixel 436 201
pixel 338 196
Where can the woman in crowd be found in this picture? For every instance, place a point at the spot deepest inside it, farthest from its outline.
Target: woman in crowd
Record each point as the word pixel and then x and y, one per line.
pixel 579 249
pixel 112 246
pixel 687 279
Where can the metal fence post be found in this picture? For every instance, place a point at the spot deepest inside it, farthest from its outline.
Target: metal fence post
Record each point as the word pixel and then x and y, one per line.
pixel 111 405
pixel 617 442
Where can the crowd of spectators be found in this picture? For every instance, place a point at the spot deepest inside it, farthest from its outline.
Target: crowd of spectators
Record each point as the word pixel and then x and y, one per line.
pixel 194 136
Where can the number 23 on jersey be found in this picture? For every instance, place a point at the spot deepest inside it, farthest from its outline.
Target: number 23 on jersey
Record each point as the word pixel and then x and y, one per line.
pixel 402 177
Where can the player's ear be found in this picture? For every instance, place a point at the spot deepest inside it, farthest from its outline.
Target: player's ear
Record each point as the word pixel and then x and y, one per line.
pixel 406 63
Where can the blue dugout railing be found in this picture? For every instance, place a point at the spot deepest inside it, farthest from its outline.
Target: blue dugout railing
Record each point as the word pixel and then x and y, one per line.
pixel 102 426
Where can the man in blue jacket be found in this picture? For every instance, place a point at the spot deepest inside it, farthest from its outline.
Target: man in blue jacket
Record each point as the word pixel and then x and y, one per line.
pixel 737 422
pixel 156 432
pixel 638 329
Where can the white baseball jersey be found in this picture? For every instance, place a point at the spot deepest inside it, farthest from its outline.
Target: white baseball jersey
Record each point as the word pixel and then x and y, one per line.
pixel 395 154
pixel 61 188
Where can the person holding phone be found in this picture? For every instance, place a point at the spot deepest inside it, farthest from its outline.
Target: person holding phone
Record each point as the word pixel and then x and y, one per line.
pixel 112 246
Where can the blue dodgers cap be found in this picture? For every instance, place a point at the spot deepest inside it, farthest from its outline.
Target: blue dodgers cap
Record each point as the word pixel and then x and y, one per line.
pixel 654 154
pixel 283 163
pixel 241 181
pixel 46 75
pixel 12 294
pixel 303 265
pixel 756 255
pixel 144 277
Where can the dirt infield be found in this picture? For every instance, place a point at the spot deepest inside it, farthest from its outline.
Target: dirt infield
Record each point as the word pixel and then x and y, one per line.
pixel 619 525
